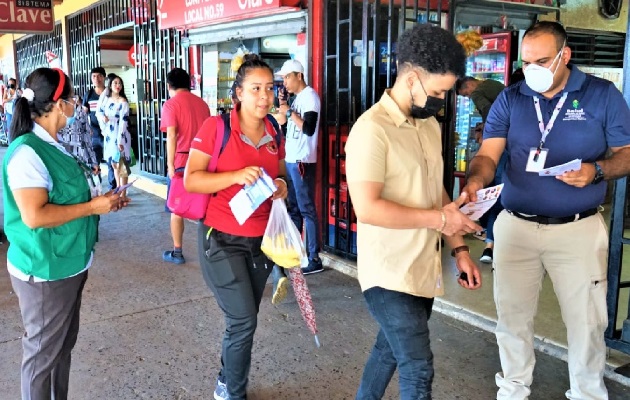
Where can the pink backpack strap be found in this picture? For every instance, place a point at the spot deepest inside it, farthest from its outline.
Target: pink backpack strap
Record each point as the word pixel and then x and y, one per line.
pixel 218 143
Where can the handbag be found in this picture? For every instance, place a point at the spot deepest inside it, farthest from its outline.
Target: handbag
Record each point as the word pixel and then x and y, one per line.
pixel 193 205
pixel 123 168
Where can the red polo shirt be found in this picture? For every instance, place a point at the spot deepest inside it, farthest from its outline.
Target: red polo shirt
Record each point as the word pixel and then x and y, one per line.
pixel 186 112
pixel 237 155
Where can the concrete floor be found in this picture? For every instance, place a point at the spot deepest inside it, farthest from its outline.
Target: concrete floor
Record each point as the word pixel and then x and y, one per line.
pixel 152 330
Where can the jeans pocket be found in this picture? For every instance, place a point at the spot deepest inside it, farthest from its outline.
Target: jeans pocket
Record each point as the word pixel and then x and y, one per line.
pixel 597 308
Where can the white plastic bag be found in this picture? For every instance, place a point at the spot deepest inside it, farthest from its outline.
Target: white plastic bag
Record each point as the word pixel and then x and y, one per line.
pixel 282 242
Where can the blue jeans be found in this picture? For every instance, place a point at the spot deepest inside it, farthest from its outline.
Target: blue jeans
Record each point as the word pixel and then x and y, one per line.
pixel 301 204
pixel 402 342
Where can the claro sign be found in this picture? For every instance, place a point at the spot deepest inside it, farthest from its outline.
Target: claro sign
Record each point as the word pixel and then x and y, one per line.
pixel 26 16
pixel 191 13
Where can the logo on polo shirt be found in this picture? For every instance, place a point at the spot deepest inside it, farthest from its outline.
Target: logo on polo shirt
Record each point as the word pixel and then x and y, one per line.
pixel 272 148
pixel 576 113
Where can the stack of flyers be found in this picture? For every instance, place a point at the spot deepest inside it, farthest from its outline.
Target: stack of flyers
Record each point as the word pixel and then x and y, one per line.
pixel 574 165
pixel 248 199
pixel 485 200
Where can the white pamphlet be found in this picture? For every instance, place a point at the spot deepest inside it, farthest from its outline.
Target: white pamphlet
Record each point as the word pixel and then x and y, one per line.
pixel 248 199
pixel 574 165
pixel 485 200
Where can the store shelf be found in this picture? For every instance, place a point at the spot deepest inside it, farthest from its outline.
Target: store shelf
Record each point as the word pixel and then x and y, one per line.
pixel 487 13
pixel 507 6
pixel 488 72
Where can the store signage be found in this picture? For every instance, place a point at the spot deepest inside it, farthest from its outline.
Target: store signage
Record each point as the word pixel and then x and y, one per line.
pixel 131 55
pixel 26 16
pixel 192 13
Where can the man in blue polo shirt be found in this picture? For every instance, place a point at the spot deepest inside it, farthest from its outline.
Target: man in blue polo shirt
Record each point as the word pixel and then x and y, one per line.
pixel 551 224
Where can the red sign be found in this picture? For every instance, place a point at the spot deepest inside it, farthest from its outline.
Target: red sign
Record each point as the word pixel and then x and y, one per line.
pixel 131 55
pixel 191 13
pixel 26 16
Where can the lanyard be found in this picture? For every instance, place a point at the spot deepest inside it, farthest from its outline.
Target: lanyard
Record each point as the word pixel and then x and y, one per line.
pixel 95 187
pixel 541 125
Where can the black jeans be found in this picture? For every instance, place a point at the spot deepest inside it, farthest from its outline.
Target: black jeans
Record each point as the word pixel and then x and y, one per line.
pixel 236 270
pixel 402 342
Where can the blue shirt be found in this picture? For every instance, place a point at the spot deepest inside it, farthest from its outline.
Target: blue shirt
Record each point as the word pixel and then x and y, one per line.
pixel 594 117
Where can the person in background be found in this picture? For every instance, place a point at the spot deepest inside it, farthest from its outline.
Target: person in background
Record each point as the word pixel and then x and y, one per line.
pixel 78 138
pixel 232 263
pixel 182 116
pixel 91 104
pixel 302 120
pixel 8 101
pixel 51 220
pixel 483 94
pixel 394 167
pixel 114 115
pixel 551 225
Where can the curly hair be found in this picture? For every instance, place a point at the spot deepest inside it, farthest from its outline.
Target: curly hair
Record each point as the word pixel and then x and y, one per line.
pixel 431 48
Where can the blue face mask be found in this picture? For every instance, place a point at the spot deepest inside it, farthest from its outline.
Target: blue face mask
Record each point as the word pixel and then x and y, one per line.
pixel 69 120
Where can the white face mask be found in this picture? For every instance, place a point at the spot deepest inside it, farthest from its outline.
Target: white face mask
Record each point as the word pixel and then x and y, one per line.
pixel 539 78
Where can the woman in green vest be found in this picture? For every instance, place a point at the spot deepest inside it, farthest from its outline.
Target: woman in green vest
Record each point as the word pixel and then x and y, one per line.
pixel 51 208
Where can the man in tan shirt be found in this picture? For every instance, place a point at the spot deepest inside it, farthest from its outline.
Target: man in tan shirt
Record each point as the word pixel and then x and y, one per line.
pixel 394 167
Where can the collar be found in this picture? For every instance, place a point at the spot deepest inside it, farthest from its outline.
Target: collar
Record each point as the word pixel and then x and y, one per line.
pixel 41 133
pixel 392 109
pixel 574 83
pixel 236 125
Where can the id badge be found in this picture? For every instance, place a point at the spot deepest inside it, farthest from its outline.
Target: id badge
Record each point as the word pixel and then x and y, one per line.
pixel 539 164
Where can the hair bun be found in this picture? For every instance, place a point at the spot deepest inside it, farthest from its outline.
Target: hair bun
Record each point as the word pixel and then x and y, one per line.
pixel 251 57
pixel 28 94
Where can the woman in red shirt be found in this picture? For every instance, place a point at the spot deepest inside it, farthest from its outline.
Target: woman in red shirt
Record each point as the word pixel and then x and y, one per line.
pixel 232 263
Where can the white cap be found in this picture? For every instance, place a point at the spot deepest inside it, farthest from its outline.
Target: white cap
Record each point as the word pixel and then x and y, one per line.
pixel 290 66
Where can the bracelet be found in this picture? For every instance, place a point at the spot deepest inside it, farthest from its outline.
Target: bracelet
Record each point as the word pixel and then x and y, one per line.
pixel 282 179
pixel 459 249
pixel 443 221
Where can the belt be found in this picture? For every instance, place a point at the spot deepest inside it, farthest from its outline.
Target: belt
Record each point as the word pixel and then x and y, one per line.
pixel 541 219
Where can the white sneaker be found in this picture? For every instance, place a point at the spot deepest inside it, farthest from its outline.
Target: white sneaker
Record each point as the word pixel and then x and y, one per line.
pixel 221 392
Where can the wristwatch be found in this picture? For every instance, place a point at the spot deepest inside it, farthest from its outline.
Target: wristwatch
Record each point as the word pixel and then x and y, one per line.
pixel 599 174
pixel 289 112
pixel 459 249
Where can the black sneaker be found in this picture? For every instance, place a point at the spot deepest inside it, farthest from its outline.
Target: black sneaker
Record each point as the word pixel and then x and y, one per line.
pixel 314 266
pixel 486 256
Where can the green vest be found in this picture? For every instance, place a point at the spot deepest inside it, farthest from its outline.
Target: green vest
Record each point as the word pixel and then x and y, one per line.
pixel 50 253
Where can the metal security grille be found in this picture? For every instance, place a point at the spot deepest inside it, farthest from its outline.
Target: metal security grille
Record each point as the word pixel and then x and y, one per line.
pixel 360 63
pixel 597 49
pixel 31 51
pixel 158 51
pixel 83 37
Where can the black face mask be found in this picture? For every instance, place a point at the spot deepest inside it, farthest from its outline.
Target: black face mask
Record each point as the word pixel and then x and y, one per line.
pixel 430 109
pixel 11 86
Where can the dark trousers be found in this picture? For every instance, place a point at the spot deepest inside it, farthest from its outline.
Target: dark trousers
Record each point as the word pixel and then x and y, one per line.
pixel 236 270
pixel 301 203
pixel 402 342
pixel 50 314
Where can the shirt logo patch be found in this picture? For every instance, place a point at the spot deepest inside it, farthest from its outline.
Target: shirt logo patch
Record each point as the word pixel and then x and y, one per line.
pixel 576 113
pixel 272 148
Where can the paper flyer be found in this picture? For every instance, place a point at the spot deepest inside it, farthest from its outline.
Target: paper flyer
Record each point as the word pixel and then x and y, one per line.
pixel 248 199
pixel 574 165
pixel 485 200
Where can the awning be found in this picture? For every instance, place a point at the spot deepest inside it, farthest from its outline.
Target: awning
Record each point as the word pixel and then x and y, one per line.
pixel 277 24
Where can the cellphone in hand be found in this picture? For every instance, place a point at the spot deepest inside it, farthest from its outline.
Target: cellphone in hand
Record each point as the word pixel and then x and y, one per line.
pixel 464 276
